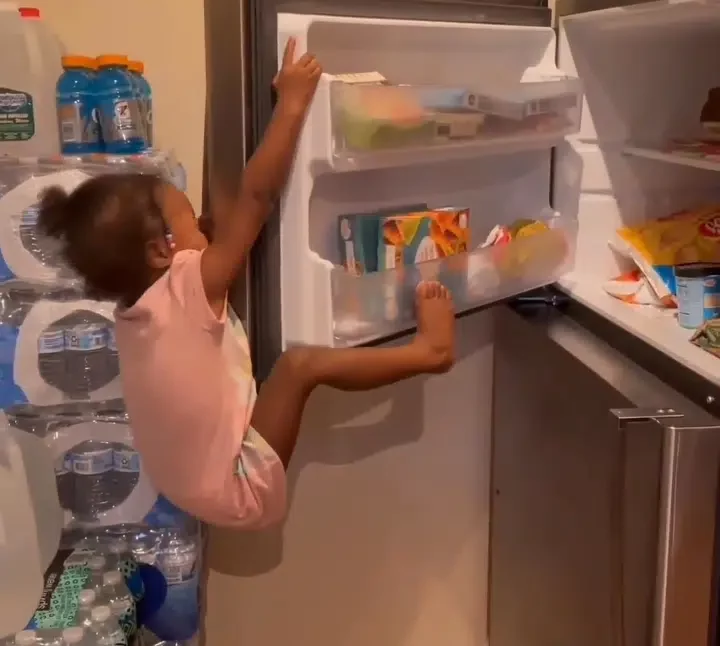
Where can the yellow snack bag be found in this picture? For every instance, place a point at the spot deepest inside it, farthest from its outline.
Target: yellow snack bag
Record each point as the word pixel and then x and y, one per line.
pixel 685 237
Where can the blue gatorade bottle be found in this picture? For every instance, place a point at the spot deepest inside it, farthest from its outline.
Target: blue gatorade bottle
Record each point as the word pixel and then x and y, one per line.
pixel 76 106
pixel 119 111
pixel 137 71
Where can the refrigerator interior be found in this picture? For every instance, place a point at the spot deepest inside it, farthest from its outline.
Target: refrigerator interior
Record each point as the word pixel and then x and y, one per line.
pixel 500 177
pixel 646 71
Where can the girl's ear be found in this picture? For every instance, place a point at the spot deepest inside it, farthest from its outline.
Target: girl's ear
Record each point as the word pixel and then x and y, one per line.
pixel 158 252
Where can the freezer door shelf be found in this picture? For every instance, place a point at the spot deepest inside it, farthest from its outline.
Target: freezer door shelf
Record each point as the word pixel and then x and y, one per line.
pixel 370 125
pixel 375 305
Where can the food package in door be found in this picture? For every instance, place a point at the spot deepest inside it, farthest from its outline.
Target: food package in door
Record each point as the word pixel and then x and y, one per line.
pixel 527 247
pixel 25 253
pixel 657 246
pixel 55 349
pixel 98 473
pixel 370 116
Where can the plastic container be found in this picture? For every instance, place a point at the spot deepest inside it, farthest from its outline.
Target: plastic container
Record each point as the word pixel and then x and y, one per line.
pixel 77 120
pixel 137 71
pixel 29 68
pixel 118 105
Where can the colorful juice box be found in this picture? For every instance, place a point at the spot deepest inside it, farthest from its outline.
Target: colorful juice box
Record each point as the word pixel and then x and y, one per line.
pixel 359 236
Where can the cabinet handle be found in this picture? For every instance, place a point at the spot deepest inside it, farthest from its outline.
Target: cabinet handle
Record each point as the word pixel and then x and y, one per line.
pixel 626 416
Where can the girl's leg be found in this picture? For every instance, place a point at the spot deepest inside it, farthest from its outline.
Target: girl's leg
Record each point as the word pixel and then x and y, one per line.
pixel 282 398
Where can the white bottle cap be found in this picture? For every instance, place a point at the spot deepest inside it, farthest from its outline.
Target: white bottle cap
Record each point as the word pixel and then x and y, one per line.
pixel 96 563
pixel 100 614
pixel 112 578
pixel 25 637
pixel 87 597
pixel 73 635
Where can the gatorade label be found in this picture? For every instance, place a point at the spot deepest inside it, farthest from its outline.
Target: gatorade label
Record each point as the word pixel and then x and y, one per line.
pixel 90 463
pixel 51 342
pixel 76 120
pixel 17 115
pixel 121 120
pixel 86 338
pixel 126 460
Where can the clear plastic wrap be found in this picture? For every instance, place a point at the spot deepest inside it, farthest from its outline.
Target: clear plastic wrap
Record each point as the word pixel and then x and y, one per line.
pixel 56 347
pixel 25 254
pixel 99 475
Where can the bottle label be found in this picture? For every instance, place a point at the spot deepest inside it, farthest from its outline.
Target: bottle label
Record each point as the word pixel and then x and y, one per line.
pixel 92 462
pixel 86 338
pixel 29 217
pixel 120 119
pixel 110 334
pixel 126 460
pixel 77 119
pixel 63 465
pixel 51 342
pixel 17 115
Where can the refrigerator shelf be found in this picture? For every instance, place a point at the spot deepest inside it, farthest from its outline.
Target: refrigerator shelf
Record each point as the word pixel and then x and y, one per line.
pixel 682 158
pixel 371 306
pixel 377 125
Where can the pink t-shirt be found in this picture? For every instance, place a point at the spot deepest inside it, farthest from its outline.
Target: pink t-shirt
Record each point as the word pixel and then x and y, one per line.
pixel 190 393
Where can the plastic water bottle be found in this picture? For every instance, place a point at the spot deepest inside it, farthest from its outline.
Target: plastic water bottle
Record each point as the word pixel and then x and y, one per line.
pixel 113 361
pixel 92 466
pixel 85 354
pixel 106 628
pixel 76 106
pixel 176 557
pixel 26 638
pixel 137 72
pixel 96 565
pixel 126 470
pixel 119 110
pixel 73 636
pixel 65 479
pixel 51 355
pixel 42 248
pixel 86 601
pixel 122 606
pixel 144 547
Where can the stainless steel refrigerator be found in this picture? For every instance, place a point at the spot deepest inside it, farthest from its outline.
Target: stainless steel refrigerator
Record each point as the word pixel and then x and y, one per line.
pixel 558 486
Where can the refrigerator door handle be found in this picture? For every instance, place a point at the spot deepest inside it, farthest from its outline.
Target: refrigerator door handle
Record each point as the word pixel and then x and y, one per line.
pixel 683 612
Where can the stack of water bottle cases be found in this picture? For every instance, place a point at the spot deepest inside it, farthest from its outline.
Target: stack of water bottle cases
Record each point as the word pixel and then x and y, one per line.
pixel 128 568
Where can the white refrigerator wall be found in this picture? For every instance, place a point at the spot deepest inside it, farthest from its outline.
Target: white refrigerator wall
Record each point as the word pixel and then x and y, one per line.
pixel 169 37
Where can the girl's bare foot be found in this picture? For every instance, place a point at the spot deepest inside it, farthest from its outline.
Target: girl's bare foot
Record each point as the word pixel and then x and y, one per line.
pixel 436 325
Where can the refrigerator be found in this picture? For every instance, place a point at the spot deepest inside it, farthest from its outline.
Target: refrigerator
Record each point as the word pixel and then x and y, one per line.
pixel 414 516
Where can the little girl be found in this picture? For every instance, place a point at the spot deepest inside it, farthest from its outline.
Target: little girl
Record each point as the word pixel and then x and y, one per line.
pixel 207 442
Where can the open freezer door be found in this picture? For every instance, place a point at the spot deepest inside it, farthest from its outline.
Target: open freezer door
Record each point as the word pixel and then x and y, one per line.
pixel 31 521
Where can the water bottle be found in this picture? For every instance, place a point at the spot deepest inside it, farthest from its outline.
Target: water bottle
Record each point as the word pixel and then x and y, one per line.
pixel 144 547
pixel 178 618
pixel 117 595
pixel 52 639
pixel 126 469
pixel 42 248
pixel 73 636
pixel 119 111
pixel 76 106
pixel 26 638
pixel 65 479
pixel 92 464
pixel 85 354
pixel 51 355
pixel 86 601
pixel 96 565
pixel 113 362
pixel 106 628
pixel 144 91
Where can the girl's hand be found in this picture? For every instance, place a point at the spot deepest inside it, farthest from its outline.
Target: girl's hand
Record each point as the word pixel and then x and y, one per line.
pixel 297 81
